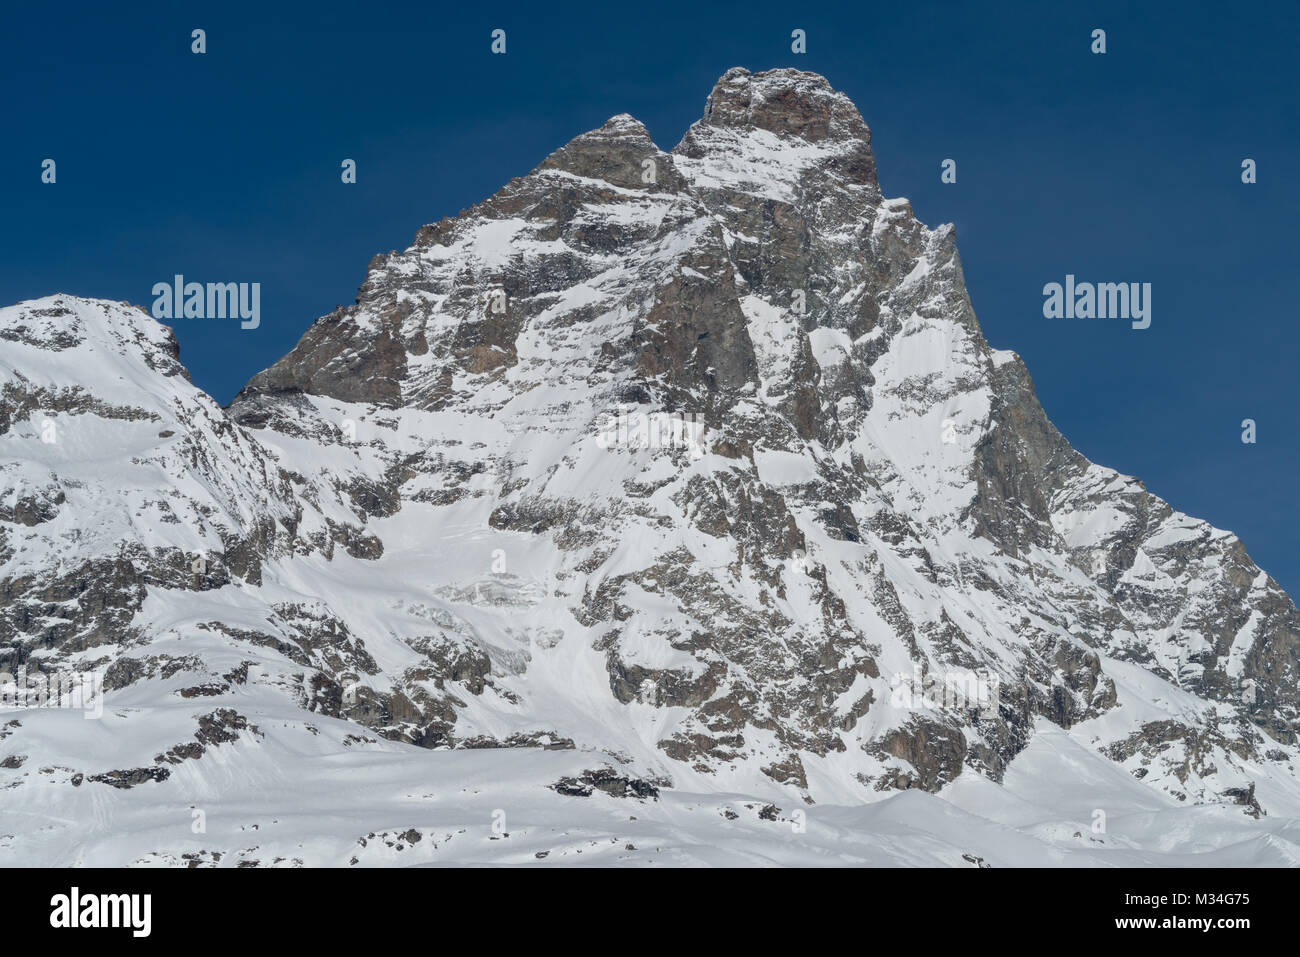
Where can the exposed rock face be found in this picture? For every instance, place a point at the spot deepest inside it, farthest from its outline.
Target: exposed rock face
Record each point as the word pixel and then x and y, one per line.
pixel 875 565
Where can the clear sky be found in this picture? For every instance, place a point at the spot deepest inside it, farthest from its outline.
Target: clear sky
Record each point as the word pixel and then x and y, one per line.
pixel 1117 167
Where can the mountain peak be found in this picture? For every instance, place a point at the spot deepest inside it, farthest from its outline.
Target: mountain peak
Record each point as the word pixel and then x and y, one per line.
pixel 759 114
pixel 65 323
pixel 616 152
pixel 784 101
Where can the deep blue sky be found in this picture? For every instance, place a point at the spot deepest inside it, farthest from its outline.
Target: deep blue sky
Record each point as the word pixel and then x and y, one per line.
pixel 1117 167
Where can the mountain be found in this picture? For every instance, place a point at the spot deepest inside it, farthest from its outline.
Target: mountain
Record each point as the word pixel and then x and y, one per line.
pixel 662 506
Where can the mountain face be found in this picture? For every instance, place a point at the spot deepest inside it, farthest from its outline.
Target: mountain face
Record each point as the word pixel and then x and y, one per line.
pixel 655 482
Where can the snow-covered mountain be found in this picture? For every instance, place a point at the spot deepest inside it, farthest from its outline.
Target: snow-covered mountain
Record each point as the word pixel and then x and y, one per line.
pixel 662 507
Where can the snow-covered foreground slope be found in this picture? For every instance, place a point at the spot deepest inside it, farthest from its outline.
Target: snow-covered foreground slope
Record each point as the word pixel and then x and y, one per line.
pixel 304 790
pixel 654 492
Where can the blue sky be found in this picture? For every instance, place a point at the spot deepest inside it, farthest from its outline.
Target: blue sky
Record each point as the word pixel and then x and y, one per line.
pixel 1122 167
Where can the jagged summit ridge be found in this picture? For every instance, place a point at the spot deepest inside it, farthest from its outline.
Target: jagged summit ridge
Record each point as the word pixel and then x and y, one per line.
pixel 794 134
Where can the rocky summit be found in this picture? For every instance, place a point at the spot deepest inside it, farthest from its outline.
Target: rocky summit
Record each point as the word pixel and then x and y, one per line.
pixel 662 507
